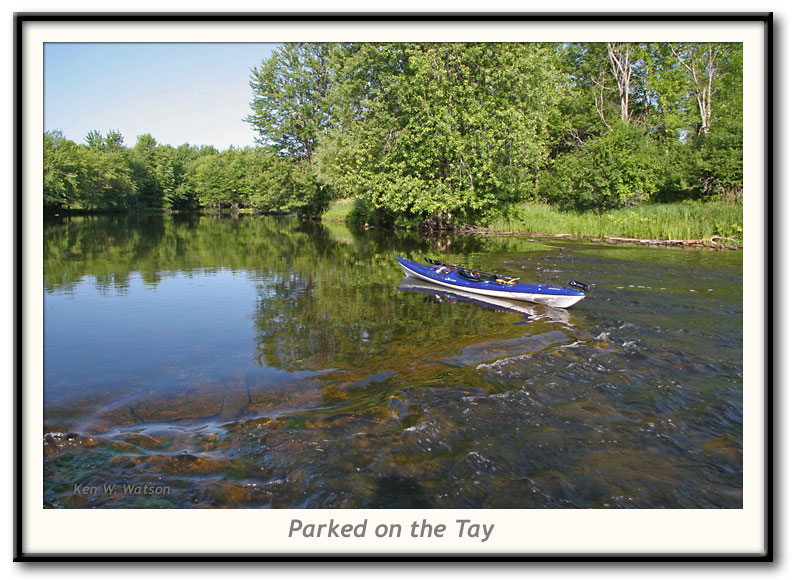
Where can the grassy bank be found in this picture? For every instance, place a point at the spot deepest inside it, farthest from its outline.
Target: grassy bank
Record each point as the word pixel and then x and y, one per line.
pixel 670 221
pixel 339 210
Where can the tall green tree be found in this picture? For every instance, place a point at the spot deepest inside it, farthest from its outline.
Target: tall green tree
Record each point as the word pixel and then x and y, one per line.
pixel 609 79
pixel 444 132
pixel 700 62
pixel 177 195
pixel 62 172
pixel 107 182
pixel 113 141
pixel 669 112
pixel 291 113
pixel 207 180
pixel 146 162
pixel 289 110
pixel 702 88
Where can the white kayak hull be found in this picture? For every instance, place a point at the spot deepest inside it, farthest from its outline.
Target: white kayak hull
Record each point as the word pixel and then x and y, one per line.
pixel 527 309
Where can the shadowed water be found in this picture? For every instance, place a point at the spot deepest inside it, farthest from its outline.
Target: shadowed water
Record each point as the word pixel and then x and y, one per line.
pixel 261 362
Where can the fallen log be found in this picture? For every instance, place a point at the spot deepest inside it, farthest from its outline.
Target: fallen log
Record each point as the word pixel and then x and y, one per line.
pixel 715 242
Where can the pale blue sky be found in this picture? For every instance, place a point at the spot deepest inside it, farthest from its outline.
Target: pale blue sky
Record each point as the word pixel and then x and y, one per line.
pixel 196 93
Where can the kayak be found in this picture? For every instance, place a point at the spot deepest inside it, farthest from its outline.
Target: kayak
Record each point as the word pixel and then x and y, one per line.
pixel 489 284
pixel 528 310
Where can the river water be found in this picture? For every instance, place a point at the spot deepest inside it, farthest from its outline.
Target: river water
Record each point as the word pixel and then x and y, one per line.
pixel 263 363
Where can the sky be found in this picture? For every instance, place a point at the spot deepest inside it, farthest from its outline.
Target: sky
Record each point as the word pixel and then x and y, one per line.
pixel 196 93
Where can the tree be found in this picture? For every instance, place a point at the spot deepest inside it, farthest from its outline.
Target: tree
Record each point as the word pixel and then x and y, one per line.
pixel 708 87
pixel 699 60
pixel 289 108
pixel 716 163
pixel 619 168
pixel 177 195
pixel 107 182
pixel 113 141
pixel 621 64
pixel 286 187
pixel 291 113
pixel 94 139
pixel 147 172
pixel 668 111
pixel 443 132
pixel 208 180
pixel 612 73
pixel 62 171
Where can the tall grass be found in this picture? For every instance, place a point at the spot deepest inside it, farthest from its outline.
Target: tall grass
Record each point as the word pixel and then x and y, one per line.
pixel 669 221
pixel 339 210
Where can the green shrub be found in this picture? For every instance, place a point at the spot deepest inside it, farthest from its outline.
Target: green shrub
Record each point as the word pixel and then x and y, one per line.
pixel 617 169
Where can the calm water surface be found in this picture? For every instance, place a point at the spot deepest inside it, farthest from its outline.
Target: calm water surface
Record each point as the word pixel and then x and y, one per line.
pixel 261 362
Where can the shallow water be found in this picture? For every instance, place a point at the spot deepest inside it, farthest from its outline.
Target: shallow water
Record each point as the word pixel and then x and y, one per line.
pixel 260 362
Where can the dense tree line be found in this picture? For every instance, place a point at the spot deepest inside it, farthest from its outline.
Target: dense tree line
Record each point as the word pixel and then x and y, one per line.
pixel 104 175
pixel 442 133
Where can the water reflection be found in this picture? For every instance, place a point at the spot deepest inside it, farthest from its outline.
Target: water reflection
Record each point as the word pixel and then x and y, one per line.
pixel 529 312
pixel 264 362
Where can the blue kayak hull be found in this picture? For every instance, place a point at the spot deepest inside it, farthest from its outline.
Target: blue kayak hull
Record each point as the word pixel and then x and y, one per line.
pixel 549 295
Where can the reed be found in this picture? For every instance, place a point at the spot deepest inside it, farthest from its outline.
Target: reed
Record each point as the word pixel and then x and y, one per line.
pixel 339 210
pixel 671 221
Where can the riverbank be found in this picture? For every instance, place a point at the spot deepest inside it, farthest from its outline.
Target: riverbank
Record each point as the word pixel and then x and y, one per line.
pixel 711 224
